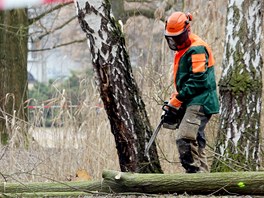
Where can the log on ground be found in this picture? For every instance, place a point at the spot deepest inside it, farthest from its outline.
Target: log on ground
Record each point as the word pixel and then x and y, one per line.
pixel 236 183
pixel 48 194
pixel 231 183
pixel 80 186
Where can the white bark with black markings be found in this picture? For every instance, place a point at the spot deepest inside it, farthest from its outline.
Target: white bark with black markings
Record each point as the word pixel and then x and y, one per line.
pixel 119 91
pixel 238 143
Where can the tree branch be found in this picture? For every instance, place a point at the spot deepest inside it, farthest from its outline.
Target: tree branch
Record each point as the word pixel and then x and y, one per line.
pixel 37 18
pixel 148 11
pixel 57 46
pixel 57 28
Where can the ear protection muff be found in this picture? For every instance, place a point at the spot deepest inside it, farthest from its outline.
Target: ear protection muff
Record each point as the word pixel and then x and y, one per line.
pixel 189 18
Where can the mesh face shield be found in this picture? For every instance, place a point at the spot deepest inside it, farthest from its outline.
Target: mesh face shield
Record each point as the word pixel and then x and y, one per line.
pixel 176 42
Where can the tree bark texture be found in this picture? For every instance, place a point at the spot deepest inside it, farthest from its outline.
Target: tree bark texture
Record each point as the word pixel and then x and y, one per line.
pixel 80 186
pixel 201 183
pixel 235 183
pixel 238 142
pixel 118 89
pixel 13 71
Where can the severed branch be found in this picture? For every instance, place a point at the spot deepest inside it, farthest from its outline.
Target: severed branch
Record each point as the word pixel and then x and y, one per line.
pixel 239 183
pixel 125 183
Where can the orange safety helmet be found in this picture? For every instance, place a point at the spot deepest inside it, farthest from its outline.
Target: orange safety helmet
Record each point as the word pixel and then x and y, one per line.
pixel 177 23
pixel 177 30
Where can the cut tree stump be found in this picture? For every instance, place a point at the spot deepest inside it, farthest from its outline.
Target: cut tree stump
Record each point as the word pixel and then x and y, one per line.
pixel 246 183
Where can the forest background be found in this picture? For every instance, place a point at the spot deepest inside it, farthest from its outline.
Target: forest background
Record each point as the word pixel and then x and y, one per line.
pixel 66 140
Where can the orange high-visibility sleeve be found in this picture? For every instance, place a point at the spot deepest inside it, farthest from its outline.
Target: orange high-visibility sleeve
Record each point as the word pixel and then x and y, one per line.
pixel 198 63
pixel 177 57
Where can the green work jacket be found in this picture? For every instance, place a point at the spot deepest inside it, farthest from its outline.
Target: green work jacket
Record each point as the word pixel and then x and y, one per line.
pixel 194 76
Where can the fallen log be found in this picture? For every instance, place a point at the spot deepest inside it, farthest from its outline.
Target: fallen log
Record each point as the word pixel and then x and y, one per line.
pixel 46 194
pixel 80 186
pixel 238 183
pixel 231 183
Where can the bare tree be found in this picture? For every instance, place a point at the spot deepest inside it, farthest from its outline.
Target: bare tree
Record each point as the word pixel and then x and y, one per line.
pixel 13 70
pixel 118 89
pixel 123 9
pixel 238 142
pixel 14 25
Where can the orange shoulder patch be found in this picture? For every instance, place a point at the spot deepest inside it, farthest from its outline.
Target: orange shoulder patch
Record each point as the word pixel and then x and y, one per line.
pixel 198 63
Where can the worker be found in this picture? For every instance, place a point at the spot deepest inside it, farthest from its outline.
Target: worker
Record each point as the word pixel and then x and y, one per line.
pixel 196 91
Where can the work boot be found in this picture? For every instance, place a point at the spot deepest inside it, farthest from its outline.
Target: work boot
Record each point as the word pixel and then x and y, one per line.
pixel 204 168
pixel 192 157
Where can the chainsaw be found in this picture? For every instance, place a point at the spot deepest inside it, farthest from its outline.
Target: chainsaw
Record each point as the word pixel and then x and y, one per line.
pixel 170 119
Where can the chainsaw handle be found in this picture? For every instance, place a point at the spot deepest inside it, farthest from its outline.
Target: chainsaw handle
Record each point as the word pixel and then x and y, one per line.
pixel 169 108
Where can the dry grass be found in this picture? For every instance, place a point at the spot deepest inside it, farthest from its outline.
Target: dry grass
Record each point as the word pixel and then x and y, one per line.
pixel 56 153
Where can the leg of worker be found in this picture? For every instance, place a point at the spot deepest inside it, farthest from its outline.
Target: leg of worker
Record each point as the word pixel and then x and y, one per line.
pixel 187 143
pixel 189 158
pixel 202 143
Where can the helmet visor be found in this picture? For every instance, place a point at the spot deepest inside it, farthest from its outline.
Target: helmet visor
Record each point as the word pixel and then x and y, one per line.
pixel 175 41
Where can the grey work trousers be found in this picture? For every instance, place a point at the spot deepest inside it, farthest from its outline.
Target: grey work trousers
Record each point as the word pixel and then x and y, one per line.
pixel 190 140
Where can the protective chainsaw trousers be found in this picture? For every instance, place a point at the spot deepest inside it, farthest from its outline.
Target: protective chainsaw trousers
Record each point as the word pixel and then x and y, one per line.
pixel 191 140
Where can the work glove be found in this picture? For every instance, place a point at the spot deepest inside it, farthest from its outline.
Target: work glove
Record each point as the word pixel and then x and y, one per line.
pixel 174 102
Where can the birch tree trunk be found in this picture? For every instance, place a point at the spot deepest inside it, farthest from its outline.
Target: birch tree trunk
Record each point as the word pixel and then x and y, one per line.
pixel 238 142
pixel 118 89
pixel 13 73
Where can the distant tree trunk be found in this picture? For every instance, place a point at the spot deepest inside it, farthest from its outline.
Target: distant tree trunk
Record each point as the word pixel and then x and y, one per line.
pixel 238 142
pixel 119 91
pixel 13 70
pixel 118 9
